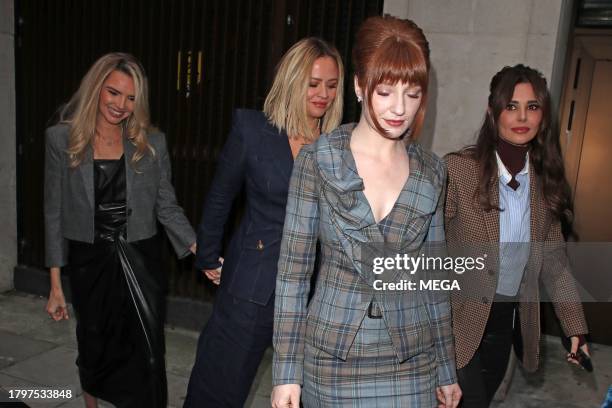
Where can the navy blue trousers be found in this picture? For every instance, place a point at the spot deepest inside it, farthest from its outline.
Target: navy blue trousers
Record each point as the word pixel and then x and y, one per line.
pixel 230 349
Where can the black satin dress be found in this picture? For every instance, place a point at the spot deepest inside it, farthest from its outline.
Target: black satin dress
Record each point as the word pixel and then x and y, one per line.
pixel 118 298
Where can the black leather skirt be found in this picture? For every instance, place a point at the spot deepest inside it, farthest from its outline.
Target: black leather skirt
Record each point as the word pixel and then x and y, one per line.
pixel 118 297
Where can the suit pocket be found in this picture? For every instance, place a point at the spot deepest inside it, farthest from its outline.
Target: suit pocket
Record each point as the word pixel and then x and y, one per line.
pixel 263 241
pixel 255 274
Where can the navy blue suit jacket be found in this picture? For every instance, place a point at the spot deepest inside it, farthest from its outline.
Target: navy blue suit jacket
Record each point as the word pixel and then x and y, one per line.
pixel 257 156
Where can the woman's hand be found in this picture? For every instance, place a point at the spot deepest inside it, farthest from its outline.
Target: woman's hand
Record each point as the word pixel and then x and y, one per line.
pixel 56 305
pixel 286 395
pixel 448 395
pixel 214 274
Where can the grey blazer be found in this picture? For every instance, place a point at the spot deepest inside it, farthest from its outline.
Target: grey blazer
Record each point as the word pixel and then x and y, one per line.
pixel 69 197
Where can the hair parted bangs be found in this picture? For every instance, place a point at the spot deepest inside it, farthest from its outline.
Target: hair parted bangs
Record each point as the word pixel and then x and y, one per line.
pixel 80 113
pixel 285 105
pixel 395 63
pixel 389 50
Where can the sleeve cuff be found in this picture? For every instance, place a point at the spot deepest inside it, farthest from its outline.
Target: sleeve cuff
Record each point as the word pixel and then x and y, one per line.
pixel 287 374
pixel 205 264
pixel 447 374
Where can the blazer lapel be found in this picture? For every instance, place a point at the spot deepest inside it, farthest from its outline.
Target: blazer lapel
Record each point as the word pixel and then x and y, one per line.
pixel 128 152
pixel 418 197
pixel 537 234
pixel 279 149
pixel 86 170
pixel 491 217
pixel 361 212
pixel 350 215
pixel 538 209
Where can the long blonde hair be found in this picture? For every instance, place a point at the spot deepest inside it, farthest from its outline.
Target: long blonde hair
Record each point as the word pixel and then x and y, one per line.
pixel 81 111
pixel 285 105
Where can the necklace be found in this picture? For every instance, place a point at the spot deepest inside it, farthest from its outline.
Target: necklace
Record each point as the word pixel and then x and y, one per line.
pixel 108 141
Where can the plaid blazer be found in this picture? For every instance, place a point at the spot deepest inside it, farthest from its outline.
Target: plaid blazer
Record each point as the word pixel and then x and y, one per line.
pixel 467 223
pixel 326 203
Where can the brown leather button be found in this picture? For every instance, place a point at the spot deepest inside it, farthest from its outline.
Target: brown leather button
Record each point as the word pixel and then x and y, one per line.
pixel 485 300
pixel 260 245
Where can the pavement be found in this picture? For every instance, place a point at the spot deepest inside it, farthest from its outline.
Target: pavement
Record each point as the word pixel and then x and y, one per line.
pixel 39 354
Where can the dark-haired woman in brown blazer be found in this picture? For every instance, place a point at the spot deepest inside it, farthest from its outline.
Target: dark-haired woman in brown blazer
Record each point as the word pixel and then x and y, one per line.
pixel 507 195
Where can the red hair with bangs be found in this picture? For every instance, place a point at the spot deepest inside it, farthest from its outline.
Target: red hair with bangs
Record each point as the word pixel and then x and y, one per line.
pixel 390 50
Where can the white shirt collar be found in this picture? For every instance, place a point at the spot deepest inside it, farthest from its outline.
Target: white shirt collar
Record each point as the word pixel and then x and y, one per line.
pixel 503 172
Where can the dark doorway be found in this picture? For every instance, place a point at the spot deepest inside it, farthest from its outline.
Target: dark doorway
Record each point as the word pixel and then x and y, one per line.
pixel 586 126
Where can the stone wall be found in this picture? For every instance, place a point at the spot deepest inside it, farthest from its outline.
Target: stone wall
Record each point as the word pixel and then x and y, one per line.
pixel 470 41
pixel 8 206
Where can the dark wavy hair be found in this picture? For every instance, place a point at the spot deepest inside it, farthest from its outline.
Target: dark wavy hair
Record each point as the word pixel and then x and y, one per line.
pixel 544 152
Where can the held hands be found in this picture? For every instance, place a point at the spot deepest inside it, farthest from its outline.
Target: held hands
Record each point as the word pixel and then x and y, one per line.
pixel 214 274
pixel 448 395
pixel 286 395
pixel 56 306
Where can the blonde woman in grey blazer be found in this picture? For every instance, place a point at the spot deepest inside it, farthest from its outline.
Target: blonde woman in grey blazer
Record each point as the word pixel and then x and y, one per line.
pixel 107 184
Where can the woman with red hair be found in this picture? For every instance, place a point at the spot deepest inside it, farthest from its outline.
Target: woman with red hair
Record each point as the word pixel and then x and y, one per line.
pixel 360 187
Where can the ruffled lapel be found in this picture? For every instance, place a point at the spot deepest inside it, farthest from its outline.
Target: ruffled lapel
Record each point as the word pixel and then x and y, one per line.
pixel 343 188
pixel 350 214
pixel 417 199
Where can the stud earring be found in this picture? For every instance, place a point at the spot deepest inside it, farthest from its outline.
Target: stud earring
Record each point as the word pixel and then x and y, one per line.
pixel 359 98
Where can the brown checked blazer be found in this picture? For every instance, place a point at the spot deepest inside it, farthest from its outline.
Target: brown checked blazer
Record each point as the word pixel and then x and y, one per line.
pixel 466 224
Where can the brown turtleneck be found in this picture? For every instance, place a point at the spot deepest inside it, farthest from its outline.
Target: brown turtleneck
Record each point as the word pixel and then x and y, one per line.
pixel 513 157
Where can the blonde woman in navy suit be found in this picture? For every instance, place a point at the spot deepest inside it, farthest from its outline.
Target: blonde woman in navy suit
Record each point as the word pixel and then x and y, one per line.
pixel 107 184
pixel 305 99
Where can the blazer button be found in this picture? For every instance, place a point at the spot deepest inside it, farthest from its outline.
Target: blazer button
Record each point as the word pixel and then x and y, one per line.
pixel 260 245
pixel 485 300
pixel 129 212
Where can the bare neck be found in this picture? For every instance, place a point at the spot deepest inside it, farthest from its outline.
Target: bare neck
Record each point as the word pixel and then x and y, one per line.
pixel 365 138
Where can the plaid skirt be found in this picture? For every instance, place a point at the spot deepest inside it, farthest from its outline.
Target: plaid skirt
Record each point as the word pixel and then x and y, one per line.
pixel 371 376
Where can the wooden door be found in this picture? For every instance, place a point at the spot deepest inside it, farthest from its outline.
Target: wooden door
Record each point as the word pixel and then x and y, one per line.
pixel 586 137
